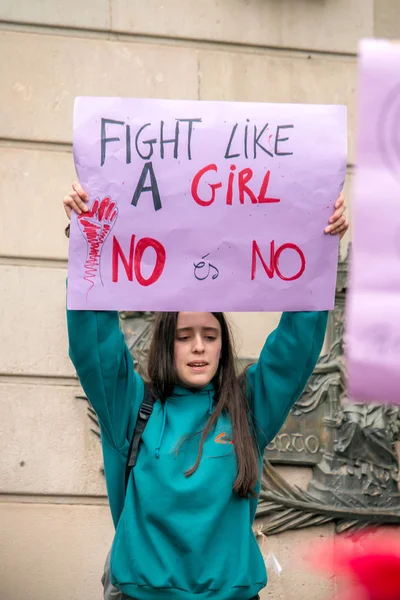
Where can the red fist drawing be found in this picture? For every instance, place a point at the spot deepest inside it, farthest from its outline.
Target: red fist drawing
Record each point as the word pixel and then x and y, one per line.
pixel 95 225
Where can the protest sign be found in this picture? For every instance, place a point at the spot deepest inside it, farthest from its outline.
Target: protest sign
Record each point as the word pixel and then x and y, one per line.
pixel 373 309
pixel 205 205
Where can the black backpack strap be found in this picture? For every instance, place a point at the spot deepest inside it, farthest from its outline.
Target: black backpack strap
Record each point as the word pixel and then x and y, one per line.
pixel 145 410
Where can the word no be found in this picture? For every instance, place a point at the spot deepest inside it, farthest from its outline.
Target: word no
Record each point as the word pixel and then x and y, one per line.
pixel 132 265
pixel 274 256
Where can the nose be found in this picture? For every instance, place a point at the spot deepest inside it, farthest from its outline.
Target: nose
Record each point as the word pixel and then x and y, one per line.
pixel 198 344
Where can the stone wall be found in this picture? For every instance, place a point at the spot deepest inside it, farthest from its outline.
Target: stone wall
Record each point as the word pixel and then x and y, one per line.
pixel 55 527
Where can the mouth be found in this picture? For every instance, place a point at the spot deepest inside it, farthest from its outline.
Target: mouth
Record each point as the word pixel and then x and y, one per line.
pixel 199 365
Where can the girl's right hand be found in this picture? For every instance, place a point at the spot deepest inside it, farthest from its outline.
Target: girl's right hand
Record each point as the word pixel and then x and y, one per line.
pixel 76 201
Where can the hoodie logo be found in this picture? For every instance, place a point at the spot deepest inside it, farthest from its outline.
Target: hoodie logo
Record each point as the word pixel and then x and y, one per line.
pixel 223 438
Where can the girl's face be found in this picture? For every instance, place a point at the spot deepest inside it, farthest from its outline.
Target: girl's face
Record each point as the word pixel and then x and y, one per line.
pixel 197 348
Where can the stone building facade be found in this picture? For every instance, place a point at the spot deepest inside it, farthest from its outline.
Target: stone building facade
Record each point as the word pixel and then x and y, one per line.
pixel 55 527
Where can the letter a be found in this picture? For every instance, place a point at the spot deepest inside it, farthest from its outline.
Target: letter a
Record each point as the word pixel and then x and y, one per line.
pixel 153 187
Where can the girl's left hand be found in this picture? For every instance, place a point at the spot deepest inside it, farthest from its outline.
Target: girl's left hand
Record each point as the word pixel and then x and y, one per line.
pixel 338 222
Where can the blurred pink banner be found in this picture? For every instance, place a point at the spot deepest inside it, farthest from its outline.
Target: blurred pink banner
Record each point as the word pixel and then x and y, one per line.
pixel 373 309
pixel 205 205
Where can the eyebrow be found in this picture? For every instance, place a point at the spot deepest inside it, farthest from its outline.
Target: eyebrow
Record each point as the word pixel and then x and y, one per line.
pixel 183 329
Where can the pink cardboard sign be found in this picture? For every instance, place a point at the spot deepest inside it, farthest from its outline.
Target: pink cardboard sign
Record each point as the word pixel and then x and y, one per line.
pixel 205 205
pixel 373 309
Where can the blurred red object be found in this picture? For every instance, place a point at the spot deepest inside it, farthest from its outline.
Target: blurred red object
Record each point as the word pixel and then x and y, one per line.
pixel 368 563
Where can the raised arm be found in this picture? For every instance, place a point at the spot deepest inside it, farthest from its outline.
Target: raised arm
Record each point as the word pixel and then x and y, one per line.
pixel 289 356
pixel 286 362
pixel 105 369
pixel 101 359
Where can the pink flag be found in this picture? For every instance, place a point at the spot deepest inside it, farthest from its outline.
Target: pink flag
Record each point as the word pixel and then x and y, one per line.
pixel 373 311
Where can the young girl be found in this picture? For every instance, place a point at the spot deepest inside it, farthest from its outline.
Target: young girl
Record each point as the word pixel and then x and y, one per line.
pixel 184 525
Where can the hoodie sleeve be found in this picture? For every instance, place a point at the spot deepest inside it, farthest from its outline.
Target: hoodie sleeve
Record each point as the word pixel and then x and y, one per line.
pixel 105 369
pixel 286 362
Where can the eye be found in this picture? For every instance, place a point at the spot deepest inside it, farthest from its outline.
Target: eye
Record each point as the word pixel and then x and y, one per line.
pixel 211 338
pixel 182 338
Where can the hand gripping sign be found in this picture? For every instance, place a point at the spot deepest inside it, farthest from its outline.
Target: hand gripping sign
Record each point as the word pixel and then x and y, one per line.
pixel 205 205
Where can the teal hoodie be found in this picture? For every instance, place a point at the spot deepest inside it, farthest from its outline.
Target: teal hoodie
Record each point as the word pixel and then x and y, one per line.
pixel 177 537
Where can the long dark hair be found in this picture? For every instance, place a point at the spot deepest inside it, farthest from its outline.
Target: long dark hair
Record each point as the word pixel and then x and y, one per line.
pixel 230 394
